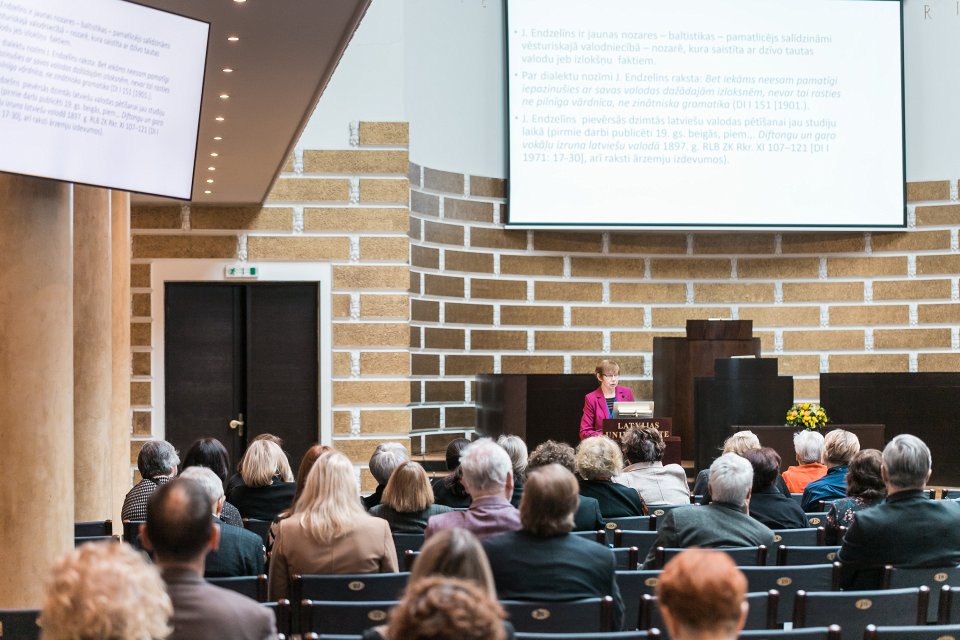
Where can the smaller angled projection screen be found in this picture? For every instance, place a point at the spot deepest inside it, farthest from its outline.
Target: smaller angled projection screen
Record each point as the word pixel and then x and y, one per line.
pixel 705 113
pixel 101 92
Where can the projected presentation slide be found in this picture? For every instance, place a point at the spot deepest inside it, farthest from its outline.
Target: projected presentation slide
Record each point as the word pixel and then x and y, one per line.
pixel 705 113
pixel 101 92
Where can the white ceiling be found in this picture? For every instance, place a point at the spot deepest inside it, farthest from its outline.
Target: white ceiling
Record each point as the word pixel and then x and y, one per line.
pixel 286 54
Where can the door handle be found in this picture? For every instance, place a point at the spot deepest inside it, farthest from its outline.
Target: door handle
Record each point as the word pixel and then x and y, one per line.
pixel 238 425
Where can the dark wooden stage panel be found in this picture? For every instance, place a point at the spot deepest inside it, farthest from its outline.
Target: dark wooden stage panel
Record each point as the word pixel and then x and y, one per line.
pixel 924 404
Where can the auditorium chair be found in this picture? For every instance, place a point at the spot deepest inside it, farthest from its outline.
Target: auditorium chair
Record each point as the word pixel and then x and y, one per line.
pixel 19 624
pixel 587 615
pixel 642 540
pixel 933 577
pixel 409 557
pixel 808 536
pixel 131 533
pixel 696 498
pixel 797 497
pixel 854 610
pixel 788 580
pixel 626 558
pixel 762 613
pixel 93 528
pixel 596 536
pixel 85 539
pixel 328 616
pixel 833 632
pixel 817 519
pixel 333 636
pixel 912 632
pixel 652 634
pixel 633 586
pixel 950 494
pixel 282 614
pixel 251 586
pixel 631 523
pixel 793 555
pixel 743 556
pixel 348 587
pixel 259 527
pixel 948 611
pixel 407 541
pixel 660 510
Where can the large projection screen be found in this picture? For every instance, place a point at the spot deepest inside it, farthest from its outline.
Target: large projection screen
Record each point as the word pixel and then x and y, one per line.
pixel 705 113
pixel 101 92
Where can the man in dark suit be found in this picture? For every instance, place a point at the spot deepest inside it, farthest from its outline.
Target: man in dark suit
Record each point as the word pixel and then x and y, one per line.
pixel 180 531
pixel 722 523
pixel 908 529
pixel 543 561
pixel 241 552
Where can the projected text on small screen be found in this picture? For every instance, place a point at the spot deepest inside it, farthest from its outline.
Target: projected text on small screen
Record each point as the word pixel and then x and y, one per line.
pixel 102 92
pixel 707 113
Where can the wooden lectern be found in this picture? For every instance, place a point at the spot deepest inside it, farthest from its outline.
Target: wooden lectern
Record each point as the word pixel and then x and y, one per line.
pixel 677 361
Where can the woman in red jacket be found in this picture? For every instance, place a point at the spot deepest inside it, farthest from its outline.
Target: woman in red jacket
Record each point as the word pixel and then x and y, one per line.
pixel 598 405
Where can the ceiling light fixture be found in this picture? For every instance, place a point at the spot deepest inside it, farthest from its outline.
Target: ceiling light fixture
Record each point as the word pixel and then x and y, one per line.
pixel 217 137
pixel 227 70
pixel 209 180
pixel 207 191
pixel 211 168
pixel 214 154
pixel 233 38
pixel 219 118
pixel 224 96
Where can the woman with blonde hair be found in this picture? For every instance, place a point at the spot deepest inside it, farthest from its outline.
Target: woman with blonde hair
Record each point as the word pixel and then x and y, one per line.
pixel 598 460
pixel 268 486
pixel 407 501
pixel 309 458
pixel 328 531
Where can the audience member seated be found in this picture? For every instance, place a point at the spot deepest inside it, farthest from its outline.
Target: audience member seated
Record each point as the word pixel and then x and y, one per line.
pixel 543 561
pixel 767 505
pixel 598 461
pixel 240 552
pixel 865 488
pixel 267 487
pixel 702 594
pixel 516 448
pixel 739 443
pixel 906 530
pixel 157 462
pixel 444 609
pixel 210 453
pixel 386 457
pixel 722 523
pixel 448 490
pixel 588 516
pixel 657 484
pixel 328 531
pixel 309 458
pixel 236 479
pixel 407 502
pixel 180 532
pixel 808 445
pixel 488 477
pixel 839 447
pixel 105 590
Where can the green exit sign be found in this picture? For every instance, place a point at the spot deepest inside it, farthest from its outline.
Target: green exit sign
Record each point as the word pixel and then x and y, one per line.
pixel 241 271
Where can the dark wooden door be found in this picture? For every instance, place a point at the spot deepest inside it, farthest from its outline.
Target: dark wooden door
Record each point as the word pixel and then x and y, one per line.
pixel 246 352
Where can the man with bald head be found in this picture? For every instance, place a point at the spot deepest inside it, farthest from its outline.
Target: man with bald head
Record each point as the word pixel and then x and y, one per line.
pixel 543 561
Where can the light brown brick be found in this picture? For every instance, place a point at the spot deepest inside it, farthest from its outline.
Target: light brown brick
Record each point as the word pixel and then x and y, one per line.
pixel 869 315
pixel 826 340
pixel 946 362
pixel 367 482
pixel 384 306
pixel 821 243
pixel 370 334
pixel 642 389
pixel 630 366
pixel 459 365
pixel 444 391
pixel 947 214
pixel 425 203
pixel 488 187
pixel 384 249
pixel 497 289
pixel 568 291
pixel 532 364
pixel 443 233
pixel 778 268
pixel 497 340
pixel 780 316
pixel 766 340
pixel 733 243
pixel 468 313
pixel 472 210
pixel 357 219
pixel 911 338
pixel 142 424
pixel 497 238
pixel 935 265
pixel 424 310
pixel 341 423
pixel 359 451
pixel 568 340
pixel 385 363
pixel 424 257
pixel 606 316
pixel 788 365
pixel 434 285
pixel 939 313
pixel 933 190
pixel 911 241
pixel 647 292
pixel 866 267
pixel 155 217
pixel 869 363
pixel 385 421
pixel 140 334
pixel 606 267
pixel 416 229
pixel 140 305
pixel 734 292
pixel 341 305
pixel 310 190
pixel 648 243
pixel 299 248
pixel 425 417
pixel 911 289
pixel 468 261
pixel 689 268
pixel 531 265
pixel 424 364
pixel 140 275
pixel 437 338
pixel 638 340
pixel 384 133
pixel 416 338
pixel 678 316
pixel 822 291
pixel 370 277
pixel 567 242
pixel 384 190
pixel 141 363
pixel 287 164
pixel 342 364
pixel 459 417
pixel 531 315
pixel 355 161
pixel 371 392
pixel 185 247
pixel 135 447
pixel 249 218
pixel 806 389
pixel 140 393
pixel 413 175
pixel 443 180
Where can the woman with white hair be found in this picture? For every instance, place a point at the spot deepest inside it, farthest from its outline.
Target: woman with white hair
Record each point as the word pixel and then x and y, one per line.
pixel 808 446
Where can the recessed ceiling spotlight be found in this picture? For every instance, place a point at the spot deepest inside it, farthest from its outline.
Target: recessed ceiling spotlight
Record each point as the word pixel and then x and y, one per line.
pixel 217 137
pixel 207 191
pixel 239 1
pixel 227 70
pixel 219 118
pixel 211 168
pixel 224 96
pixel 209 180
pixel 233 38
pixel 214 154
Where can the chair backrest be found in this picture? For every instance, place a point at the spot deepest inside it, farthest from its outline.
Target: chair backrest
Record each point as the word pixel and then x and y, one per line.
pixel 817 519
pixel 833 632
pixel 950 494
pixel 349 587
pixel 409 557
pixel 808 536
pixel 329 616
pixel 93 528
pixel 259 527
pixel 19 623
pixel 131 533
pixel 761 615
pixel 642 540
pixel 789 580
pixel 333 636
pixel 650 634
pixel 633 586
pixel 797 497
pixel 251 586
pixel 696 498
pixel 743 556
pixel 282 614
pixel 627 558
pixel 854 610
pixel 77 541
pixel 792 555
pixel 404 541
pixel 949 609
pixel 631 523
pixel 933 577
pixel 661 510
pixel 590 614
pixel 597 536
pixel 912 632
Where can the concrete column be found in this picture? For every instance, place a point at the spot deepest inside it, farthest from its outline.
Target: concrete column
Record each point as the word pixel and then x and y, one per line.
pixel 36 384
pixel 92 359
pixel 120 416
